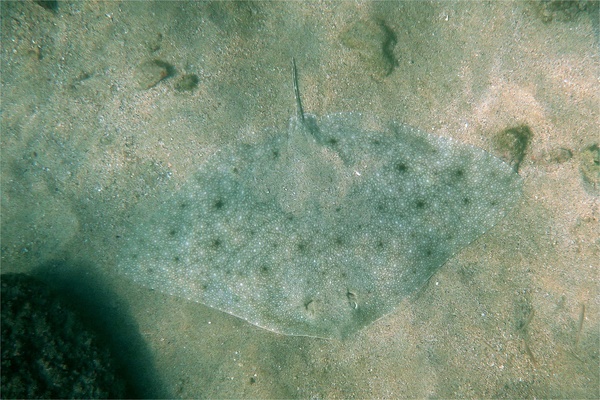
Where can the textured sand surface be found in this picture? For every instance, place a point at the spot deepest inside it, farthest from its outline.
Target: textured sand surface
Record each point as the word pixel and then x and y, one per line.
pixel 109 104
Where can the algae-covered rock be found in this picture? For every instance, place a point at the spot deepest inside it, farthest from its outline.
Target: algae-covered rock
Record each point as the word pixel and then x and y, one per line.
pixel 511 144
pixel 46 350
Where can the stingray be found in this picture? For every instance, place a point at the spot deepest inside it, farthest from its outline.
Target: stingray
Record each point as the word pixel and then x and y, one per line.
pixel 319 229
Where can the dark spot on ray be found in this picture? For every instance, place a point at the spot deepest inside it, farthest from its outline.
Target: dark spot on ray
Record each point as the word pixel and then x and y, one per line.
pixel 176 259
pixel 302 247
pixel 308 304
pixel 420 204
pixel 380 207
pixel 459 173
pixel 264 269
pixel 400 167
pixel 379 244
pixel 338 209
pixel 216 243
pixel 275 154
pixel 466 200
pixel 183 205
pixel 172 232
pixel 218 204
pixel 338 241
pixel 332 141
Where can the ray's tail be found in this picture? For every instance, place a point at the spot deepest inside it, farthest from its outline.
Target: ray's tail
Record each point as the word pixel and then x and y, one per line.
pixel 299 110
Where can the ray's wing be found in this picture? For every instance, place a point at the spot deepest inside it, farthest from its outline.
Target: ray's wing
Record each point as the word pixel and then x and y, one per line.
pixel 261 234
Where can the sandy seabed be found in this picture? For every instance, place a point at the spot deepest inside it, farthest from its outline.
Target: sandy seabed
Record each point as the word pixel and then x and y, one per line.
pixel 107 104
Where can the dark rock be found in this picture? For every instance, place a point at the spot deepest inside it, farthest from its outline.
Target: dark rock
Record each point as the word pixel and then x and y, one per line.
pixel 51 5
pixel 47 352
